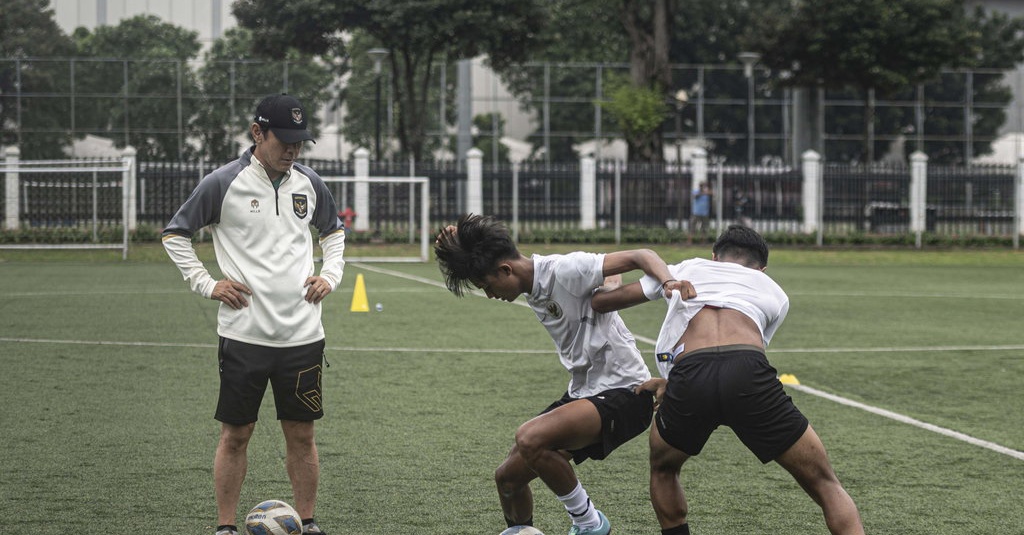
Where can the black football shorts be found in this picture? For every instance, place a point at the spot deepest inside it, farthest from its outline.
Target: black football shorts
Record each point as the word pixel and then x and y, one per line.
pixel 624 415
pixel 293 373
pixel 733 386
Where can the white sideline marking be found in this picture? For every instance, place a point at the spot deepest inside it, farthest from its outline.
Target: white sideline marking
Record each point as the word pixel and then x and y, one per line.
pixel 832 397
pixel 911 421
pixel 803 388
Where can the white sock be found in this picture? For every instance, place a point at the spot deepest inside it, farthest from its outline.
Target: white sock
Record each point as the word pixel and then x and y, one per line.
pixel 579 507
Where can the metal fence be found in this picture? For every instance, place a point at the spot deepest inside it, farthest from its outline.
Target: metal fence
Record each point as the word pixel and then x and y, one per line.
pixel 870 200
pixel 161 101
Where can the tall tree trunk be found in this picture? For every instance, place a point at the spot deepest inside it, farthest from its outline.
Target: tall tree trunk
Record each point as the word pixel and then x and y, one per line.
pixel 646 23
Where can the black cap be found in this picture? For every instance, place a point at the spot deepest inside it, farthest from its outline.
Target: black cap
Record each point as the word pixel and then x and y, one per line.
pixel 283 114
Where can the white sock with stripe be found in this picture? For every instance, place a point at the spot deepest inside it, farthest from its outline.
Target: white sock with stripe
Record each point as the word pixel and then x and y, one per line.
pixel 581 510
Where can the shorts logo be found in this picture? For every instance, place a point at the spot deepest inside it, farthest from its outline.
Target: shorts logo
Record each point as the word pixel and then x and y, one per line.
pixel 299 205
pixel 307 388
pixel 665 357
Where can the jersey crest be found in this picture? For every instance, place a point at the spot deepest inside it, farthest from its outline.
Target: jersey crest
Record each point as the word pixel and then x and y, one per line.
pixel 299 205
pixel 553 309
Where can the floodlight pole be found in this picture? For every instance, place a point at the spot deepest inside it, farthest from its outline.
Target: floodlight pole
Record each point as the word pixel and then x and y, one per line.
pixel 749 59
pixel 681 98
pixel 377 55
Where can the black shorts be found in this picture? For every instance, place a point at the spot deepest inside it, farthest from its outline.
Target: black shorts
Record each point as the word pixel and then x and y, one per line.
pixel 293 372
pixel 733 386
pixel 624 415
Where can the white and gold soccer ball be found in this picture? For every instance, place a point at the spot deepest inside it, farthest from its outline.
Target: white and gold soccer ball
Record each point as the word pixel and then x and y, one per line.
pixel 273 517
pixel 521 530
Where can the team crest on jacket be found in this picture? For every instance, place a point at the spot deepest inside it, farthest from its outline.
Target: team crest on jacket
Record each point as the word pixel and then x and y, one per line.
pixel 299 205
pixel 553 309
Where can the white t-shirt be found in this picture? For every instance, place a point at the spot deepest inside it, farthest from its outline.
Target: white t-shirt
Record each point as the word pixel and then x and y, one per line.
pixel 597 349
pixel 719 284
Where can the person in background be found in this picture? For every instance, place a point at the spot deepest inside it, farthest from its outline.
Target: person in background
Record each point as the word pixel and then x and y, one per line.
pixel 711 348
pixel 700 211
pixel 260 209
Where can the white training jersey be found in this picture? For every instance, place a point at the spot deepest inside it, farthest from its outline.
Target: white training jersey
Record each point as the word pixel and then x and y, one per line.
pixel 597 349
pixel 262 238
pixel 718 284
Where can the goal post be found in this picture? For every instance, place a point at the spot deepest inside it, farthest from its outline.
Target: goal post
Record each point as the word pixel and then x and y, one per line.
pixel 91 200
pixel 380 205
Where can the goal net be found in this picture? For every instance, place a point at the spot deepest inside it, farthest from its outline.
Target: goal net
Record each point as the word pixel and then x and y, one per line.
pixel 385 209
pixel 67 204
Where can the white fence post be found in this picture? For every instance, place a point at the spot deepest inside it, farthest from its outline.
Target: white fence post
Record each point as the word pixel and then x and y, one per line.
pixel 699 164
pixel 12 204
pixel 918 195
pixel 588 193
pixel 812 191
pixel 1018 213
pixel 362 190
pixel 475 181
pixel 130 179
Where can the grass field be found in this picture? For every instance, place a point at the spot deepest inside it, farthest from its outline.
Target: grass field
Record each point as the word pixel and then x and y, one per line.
pixel 109 384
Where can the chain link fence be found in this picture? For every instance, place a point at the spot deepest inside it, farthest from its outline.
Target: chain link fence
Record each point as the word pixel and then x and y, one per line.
pixel 164 107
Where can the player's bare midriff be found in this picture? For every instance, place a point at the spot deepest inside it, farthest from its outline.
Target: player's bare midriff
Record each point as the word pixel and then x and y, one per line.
pixel 713 327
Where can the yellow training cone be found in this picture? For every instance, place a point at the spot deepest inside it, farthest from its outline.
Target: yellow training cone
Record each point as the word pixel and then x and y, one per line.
pixel 788 379
pixel 359 302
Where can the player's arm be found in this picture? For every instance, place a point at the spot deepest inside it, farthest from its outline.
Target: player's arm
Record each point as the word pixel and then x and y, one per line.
pixel 609 298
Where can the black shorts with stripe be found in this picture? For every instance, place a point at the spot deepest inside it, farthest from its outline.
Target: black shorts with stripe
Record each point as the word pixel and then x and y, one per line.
pixel 624 415
pixel 733 386
pixel 293 373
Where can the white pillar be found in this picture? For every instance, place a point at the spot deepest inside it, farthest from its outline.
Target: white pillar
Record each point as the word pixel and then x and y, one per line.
pixel 362 190
pixel 475 181
pixel 131 184
pixel 918 194
pixel 699 162
pixel 1019 213
pixel 812 190
pixel 588 193
pixel 12 204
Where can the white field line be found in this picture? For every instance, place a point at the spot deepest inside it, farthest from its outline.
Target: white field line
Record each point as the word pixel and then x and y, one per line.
pixel 832 397
pixel 803 388
pixel 911 421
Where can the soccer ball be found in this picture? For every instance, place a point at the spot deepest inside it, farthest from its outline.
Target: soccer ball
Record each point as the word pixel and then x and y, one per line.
pixel 273 517
pixel 521 530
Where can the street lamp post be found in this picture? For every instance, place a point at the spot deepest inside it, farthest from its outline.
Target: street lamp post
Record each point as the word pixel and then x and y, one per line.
pixel 681 98
pixel 749 59
pixel 377 55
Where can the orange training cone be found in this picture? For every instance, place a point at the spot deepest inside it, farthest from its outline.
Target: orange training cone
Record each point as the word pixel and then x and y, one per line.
pixel 359 302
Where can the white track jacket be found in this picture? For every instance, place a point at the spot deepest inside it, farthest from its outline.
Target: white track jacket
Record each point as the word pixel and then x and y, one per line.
pixel 262 238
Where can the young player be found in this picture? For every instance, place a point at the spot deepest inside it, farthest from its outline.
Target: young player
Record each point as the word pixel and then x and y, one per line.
pixel 712 350
pixel 600 410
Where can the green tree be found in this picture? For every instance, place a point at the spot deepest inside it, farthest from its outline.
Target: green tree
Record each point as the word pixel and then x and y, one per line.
pixel 233 82
pixel 870 45
pixel 639 112
pixel 578 35
pixel 582 33
pixel 138 95
pixel 28 30
pixel 488 131
pixel 417 34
